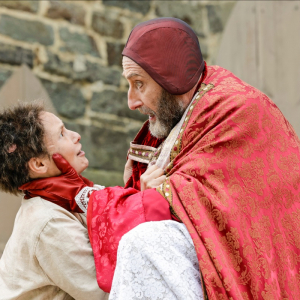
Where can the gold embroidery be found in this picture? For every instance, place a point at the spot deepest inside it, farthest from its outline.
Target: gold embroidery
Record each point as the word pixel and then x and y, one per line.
pixel 230 186
pixel 270 292
pixel 292 229
pixel 253 175
pixel 177 148
pixel 166 191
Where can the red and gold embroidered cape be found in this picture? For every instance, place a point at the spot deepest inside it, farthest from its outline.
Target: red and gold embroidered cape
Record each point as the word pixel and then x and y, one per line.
pixel 234 181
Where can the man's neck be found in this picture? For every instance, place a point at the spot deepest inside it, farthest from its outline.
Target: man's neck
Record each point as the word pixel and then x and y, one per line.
pixel 188 97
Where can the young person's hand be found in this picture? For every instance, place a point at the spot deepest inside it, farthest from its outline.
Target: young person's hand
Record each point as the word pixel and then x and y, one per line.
pixel 152 178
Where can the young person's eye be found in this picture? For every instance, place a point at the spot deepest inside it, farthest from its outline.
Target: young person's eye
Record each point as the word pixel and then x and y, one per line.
pixel 61 134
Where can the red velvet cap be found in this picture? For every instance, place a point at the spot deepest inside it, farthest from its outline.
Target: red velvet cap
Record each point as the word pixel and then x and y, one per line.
pixel 169 51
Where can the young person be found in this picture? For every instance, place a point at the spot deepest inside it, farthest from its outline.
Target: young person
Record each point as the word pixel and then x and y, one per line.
pixel 48 255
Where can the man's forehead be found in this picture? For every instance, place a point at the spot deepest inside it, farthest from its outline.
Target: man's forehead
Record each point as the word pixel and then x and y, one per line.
pixel 131 68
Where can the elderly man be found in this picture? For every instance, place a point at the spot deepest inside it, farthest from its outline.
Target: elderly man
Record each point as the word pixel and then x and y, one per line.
pixel 231 159
pixel 232 166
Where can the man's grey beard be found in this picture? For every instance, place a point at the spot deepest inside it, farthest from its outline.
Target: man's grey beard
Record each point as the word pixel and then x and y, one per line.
pixel 169 112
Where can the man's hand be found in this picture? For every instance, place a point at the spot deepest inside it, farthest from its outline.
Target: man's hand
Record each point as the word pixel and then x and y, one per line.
pixel 127 170
pixel 152 178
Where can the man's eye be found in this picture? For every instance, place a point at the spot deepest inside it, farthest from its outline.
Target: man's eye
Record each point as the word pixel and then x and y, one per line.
pixel 138 84
pixel 61 134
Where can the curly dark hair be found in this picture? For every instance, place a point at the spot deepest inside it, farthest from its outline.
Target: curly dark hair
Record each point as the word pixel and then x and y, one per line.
pixel 21 138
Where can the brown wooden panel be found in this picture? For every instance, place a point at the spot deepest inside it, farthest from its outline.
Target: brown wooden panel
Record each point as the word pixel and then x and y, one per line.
pixel 261 45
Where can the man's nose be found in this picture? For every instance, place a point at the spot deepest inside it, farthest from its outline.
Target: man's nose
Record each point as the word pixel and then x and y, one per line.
pixel 134 101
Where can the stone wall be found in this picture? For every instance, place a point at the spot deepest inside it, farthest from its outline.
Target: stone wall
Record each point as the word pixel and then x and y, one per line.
pixel 75 47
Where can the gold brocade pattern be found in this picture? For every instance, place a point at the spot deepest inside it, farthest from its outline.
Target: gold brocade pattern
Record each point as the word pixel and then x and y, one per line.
pixel 234 181
pixel 166 192
pixel 178 143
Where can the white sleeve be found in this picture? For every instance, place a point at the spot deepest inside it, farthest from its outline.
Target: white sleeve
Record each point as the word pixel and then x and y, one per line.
pixel 83 197
pixel 64 253
pixel 157 260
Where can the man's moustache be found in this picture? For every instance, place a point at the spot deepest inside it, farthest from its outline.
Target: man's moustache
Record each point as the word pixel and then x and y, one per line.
pixel 146 111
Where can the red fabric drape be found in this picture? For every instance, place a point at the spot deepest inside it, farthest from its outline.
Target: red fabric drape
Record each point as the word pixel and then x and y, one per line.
pixel 112 212
pixel 234 180
pixel 235 183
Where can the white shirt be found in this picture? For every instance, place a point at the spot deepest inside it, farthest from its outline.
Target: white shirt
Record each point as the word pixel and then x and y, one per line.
pixel 48 256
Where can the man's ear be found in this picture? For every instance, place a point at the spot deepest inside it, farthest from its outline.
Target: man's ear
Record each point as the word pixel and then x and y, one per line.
pixel 38 167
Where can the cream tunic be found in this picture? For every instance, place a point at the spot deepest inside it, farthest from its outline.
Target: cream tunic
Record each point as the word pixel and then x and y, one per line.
pixel 48 256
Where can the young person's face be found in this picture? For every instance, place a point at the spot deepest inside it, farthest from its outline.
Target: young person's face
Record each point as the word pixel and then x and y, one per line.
pixel 60 140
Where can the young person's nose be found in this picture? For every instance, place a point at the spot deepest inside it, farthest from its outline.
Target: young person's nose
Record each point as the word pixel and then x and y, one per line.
pixel 76 137
pixel 134 101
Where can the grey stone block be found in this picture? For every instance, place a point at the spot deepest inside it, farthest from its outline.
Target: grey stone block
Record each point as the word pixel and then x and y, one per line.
pixel 106 25
pixel 15 55
pixel 214 18
pixel 57 66
pixel 30 6
pixel 63 10
pixel 114 103
pixel 224 11
pixel 67 98
pixel 204 49
pixel 28 31
pixel 140 6
pixel 130 129
pixel 105 148
pixel 94 72
pixel 191 14
pixel 107 75
pixel 4 75
pixel 78 42
pixel 114 53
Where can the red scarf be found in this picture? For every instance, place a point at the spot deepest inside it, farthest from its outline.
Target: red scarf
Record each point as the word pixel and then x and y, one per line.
pixel 60 190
